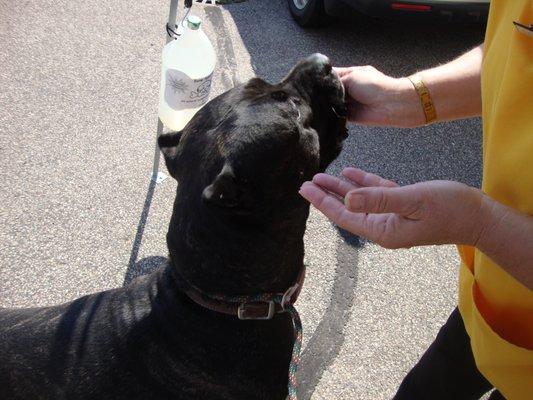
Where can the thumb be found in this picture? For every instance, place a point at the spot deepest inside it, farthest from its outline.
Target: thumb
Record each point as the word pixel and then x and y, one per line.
pixel 406 200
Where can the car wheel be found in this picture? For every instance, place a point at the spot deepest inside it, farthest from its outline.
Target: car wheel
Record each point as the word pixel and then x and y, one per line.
pixel 308 13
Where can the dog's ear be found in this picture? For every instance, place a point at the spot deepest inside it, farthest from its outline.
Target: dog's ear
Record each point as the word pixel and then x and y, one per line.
pixel 168 144
pixel 225 190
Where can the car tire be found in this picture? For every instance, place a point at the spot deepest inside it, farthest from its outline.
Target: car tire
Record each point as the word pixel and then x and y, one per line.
pixel 308 13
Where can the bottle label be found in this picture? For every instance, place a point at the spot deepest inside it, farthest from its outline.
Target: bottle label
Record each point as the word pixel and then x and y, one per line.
pixel 182 92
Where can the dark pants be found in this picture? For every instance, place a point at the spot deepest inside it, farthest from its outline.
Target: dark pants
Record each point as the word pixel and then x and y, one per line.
pixel 447 369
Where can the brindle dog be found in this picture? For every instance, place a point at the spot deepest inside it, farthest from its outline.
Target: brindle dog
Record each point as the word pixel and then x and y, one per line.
pixel 237 228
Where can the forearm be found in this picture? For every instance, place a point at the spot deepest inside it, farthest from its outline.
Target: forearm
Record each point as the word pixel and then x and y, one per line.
pixel 507 238
pixel 455 88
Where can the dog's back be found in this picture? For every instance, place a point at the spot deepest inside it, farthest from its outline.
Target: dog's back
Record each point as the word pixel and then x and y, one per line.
pixel 70 350
pixel 143 341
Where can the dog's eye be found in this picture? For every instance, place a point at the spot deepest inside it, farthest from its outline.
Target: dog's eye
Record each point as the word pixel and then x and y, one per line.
pixel 280 95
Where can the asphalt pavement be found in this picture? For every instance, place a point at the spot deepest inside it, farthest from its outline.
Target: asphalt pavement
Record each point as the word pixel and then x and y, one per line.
pixel 78 114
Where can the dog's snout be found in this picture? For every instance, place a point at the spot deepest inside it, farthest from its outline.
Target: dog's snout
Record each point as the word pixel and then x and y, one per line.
pixel 315 76
pixel 318 58
pixel 321 63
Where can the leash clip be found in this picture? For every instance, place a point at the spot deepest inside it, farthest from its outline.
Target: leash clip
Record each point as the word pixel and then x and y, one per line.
pixel 287 296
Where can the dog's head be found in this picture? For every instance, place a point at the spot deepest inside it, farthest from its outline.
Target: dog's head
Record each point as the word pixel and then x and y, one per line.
pixel 249 150
pixel 238 220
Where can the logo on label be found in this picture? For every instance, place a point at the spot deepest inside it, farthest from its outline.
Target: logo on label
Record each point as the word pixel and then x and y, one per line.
pixel 183 92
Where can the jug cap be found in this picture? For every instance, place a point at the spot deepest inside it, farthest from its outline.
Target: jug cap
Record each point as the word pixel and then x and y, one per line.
pixel 193 22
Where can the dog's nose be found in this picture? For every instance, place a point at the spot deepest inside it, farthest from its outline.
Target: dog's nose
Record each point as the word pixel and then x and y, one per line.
pixel 318 58
pixel 321 61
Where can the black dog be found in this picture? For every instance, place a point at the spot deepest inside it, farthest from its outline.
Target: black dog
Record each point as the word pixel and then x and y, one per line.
pixel 237 228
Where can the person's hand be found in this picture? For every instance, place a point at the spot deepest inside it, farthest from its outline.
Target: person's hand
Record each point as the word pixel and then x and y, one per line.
pixel 377 99
pixel 434 212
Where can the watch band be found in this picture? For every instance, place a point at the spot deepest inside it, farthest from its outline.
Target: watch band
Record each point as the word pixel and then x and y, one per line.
pixel 425 98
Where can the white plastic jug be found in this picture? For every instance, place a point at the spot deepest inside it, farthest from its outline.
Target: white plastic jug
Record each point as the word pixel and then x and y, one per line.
pixel 188 65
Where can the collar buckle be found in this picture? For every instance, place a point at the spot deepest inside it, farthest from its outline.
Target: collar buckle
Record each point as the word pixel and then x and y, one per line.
pixel 256 310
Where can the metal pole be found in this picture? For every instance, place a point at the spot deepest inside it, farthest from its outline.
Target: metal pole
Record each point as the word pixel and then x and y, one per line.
pixel 157 176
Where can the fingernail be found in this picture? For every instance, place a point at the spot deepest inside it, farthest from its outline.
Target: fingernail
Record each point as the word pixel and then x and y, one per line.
pixel 302 190
pixel 304 184
pixel 354 201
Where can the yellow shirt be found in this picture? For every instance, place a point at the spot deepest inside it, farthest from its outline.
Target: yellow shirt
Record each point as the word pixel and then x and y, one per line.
pixel 496 308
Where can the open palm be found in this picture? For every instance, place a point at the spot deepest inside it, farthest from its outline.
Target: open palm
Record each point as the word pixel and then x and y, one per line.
pixel 434 212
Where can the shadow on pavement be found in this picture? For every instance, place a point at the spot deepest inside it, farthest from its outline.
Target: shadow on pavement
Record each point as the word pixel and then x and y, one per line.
pixel 148 264
pixel 351 239
pixel 144 266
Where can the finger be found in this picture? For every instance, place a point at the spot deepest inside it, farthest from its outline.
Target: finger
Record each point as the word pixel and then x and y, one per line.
pixel 341 71
pixel 334 209
pixel 406 201
pixel 363 178
pixel 370 226
pixel 347 80
pixel 319 197
pixel 353 76
pixel 333 184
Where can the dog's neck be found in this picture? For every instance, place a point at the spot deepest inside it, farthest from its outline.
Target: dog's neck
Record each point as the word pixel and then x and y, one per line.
pixel 223 258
